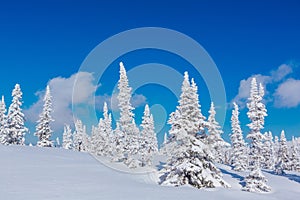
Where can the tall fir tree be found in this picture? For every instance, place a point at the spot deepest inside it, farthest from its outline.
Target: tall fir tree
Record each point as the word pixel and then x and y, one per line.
pixel 67 137
pixel 163 147
pixel 276 145
pixel 16 119
pixel 43 128
pixel 238 159
pixel 126 122
pixel 283 153
pixel 295 157
pixel 214 139
pixel 3 123
pixel 255 181
pixel 107 131
pixel 80 137
pixel 148 141
pixel 192 119
pixel 101 138
pixel 118 144
pixel 256 113
pixel 191 160
pixel 95 137
pixel 268 151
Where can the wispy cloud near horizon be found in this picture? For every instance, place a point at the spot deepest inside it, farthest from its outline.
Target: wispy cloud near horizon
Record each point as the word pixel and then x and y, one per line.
pixel 274 78
pixel 63 97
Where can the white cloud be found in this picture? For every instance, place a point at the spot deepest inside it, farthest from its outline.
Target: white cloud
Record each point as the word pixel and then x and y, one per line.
pixel 62 92
pixel 288 94
pixel 244 89
pixel 74 90
pixel 282 71
pixel 137 100
pixel 274 76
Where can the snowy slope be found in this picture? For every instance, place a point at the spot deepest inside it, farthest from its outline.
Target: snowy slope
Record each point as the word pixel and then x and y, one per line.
pixel 48 173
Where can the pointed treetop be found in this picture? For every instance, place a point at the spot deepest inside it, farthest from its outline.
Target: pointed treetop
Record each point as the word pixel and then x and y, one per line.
pixel 17 91
pixel 235 106
pixel 212 109
pixel 147 110
pixel 47 94
pixel 121 65
pixel 105 108
pixel 2 100
pixel 193 84
pixel 282 135
pixel 122 68
pixel 261 90
pixel 186 81
pixel 253 91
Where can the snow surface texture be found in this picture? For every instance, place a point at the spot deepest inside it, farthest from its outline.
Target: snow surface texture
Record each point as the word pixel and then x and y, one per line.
pixel 49 173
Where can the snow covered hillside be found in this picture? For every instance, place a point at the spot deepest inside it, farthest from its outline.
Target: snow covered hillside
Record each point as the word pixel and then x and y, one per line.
pixel 51 173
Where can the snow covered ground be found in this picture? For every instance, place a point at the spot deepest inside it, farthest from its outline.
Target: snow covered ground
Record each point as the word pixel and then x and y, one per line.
pixel 49 173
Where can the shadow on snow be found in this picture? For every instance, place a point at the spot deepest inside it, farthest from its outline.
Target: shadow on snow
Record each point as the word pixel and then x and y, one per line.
pixel 235 176
pixel 292 177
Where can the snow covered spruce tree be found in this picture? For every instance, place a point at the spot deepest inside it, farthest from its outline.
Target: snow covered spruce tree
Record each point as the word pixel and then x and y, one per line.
pixel 67 138
pixel 80 137
pixel 126 122
pixel 256 181
pixel 268 151
pixel 191 160
pixel 276 145
pixel 217 145
pixel 101 139
pixel 117 144
pixel 43 128
pixel 238 158
pixel 283 161
pixel 148 139
pixel 295 157
pixel 3 123
pixel 98 140
pixel 107 131
pixel 16 119
pixel 95 139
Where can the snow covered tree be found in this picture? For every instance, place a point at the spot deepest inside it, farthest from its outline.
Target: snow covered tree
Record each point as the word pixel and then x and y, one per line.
pixel 256 114
pixel 126 121
pixel 196 116
pixel 101 136
pixel 107 131
pixel 276 145
pixel 268 151
pixel 148 141
pixel 43 128
pixel 214 139
pixel 57 144
pixel 238 158
pixel 295 157
pixel 283 154
pixel 16 119
pixel 95 137
pixel 187 115
pixel 190 161
pixel 163 147
pixel 67 138
pixel 118 144
pixel 80 138
pixel 191 119
pixel 255 181
pixel 3 123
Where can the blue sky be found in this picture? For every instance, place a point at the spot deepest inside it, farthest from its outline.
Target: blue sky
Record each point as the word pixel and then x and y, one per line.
pixel 41 41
